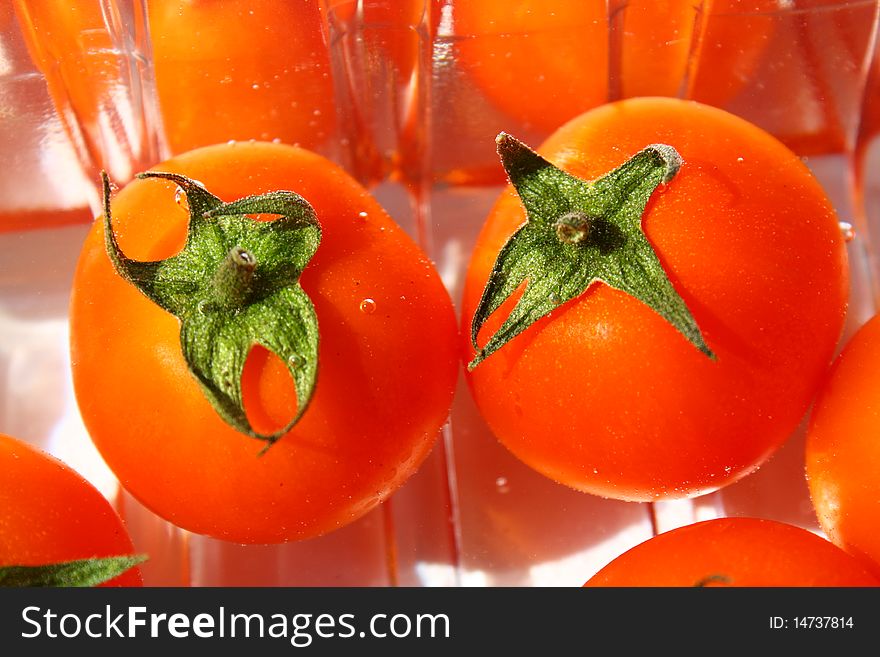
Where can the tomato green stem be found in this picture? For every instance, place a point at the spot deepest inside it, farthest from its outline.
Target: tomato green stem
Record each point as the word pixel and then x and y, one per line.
pixel 579 232
pixel 712 579
pixel 573 227
pixel 233 282
pixel 235 285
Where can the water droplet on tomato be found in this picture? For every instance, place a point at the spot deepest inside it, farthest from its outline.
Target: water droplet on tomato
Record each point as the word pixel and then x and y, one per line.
pixel 368 306
pixel 847 231
pixel 502 485
pixel 180 198
pixel 362 215
pixel 231 142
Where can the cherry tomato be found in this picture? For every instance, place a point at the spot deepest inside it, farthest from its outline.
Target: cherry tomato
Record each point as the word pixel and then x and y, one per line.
pixel 214 87
pixel 604 395
pixel 574 55
pixel 530 66
pixel 655 39
pixel 735 552
pixel 732 36
pixel 49 514
pixel 842 453
pixel 558 51
pixel 387 362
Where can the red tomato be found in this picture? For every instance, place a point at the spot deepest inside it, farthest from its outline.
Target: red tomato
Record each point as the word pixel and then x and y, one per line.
pixel 842 454
pixel 386 367
pixel 655 41
pixel 606 396
pixel 735 552
pixel 573 55
pixel 732 36
pixel 558 51
pixel 529 66
pixel 49 514
pixel 271 80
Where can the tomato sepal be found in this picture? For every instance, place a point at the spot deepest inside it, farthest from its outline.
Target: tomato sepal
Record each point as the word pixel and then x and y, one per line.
pixel 576 233
pixel 713 579
pixel 75 573
pixel 233 286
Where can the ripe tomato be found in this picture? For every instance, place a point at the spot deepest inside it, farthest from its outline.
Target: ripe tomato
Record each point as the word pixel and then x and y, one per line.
pixel 49 514
pixel 842 453
pixel 214 87
pixel 559 51
pixel 386 367
pixel 731 39
pixel 531 66
pixel 606 396
pixel 574 55
pixel 735 552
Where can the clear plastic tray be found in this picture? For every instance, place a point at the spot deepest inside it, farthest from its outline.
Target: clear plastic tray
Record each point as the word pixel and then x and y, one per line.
pixel 412 122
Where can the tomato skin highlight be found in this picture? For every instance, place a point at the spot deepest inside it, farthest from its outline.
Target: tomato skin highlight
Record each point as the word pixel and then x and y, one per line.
pixel 50 514
pixel 842 454
pixel 604 395
pixel 735 552
pixel 385 378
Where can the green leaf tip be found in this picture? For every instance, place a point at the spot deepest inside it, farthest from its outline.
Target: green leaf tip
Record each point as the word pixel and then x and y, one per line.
pixel 235 285
pixel 578 232
pixel 77 573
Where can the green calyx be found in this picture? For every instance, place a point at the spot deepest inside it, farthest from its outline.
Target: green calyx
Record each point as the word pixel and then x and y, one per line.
pixel 578 232
pixel 713 579
pixel 82 572
pixel 235 285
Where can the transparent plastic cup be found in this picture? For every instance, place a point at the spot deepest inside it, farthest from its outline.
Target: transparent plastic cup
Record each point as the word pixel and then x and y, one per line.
pixel 800 70
pixel 95 57
pixel 44 183
pixel 408 96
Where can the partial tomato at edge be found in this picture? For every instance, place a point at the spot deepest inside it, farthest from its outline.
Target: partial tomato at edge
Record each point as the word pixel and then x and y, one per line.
pixel 842 449
pixel 607 397
pixel 734 552
pixel 386 372
pixel 50 514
